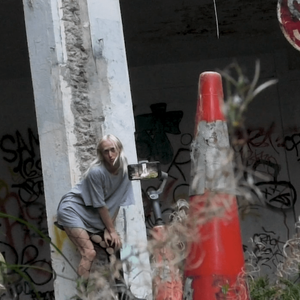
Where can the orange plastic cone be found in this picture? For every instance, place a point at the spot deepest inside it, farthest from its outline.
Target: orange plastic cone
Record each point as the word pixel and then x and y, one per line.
pixel 167 282
pixel 215 262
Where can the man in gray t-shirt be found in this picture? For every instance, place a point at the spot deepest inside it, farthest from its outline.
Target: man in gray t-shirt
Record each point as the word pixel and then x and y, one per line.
pixel 93 204
pixel 99 188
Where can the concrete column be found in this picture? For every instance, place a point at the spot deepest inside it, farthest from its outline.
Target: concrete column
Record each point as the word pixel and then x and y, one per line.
pixel 81 89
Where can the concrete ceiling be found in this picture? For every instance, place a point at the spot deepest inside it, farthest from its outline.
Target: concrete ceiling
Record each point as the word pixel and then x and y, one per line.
pixel 166 31
pixel 169 31
pixel 160 20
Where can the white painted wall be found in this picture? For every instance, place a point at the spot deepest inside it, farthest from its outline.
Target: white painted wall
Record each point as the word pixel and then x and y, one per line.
pixel 109 52
pixel 52 99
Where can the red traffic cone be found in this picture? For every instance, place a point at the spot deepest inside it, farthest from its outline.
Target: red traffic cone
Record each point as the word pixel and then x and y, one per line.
pixel 215 263
pixel 167 282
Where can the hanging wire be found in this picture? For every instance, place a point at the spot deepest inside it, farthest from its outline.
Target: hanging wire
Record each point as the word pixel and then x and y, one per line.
pixel 216 15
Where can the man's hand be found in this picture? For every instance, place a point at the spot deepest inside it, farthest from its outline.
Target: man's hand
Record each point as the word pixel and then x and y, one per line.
pixel 114 239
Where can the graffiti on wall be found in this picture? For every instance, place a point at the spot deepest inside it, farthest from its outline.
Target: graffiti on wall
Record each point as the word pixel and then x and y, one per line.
pixel 22 196
pixel 262 156
pixel 267 249
pixel 153 144
pixel 25 165
pixel 151 133
pixel 264 153
pixel 291 144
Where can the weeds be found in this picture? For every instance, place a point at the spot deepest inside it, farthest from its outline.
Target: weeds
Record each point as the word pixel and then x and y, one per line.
pixel 240 93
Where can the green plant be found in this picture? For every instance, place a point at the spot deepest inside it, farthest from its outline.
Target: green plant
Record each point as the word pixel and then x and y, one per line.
pixel 99 286
pixel 11 273
pixel 240 93
pixel 282 289
pixel 260 289
pixel 225 289
pixel 3 271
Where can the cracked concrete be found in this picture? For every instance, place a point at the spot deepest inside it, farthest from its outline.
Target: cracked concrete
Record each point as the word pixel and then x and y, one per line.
pixel 77 65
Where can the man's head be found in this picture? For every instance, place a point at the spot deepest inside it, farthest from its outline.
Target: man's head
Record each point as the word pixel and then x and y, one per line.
pixel 110 152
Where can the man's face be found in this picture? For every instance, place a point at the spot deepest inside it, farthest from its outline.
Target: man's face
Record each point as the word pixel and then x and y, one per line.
pixel 109 152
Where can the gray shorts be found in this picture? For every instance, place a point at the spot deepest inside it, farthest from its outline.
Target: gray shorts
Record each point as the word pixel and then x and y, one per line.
pixel 72 213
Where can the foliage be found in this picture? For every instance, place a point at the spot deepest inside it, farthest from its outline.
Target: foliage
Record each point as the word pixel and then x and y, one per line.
pixel 101 283
pixel 240 93
pixel 260 289
pixel 282 289
pixel 3 271
pixel 10 274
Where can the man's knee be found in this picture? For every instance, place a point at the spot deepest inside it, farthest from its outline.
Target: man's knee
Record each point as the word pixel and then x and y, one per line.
pixel 89 254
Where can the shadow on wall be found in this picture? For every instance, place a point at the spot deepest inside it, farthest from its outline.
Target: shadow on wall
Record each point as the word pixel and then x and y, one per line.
pixel 151 140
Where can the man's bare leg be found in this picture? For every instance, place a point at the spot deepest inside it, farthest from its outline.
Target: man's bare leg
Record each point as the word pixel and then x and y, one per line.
pixel 81 240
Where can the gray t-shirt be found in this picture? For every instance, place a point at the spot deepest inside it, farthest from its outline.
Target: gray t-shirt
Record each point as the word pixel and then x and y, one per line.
pixel 79 207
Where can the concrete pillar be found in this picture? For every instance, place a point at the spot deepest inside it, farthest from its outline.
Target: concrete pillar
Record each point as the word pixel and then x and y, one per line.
pixel 81 90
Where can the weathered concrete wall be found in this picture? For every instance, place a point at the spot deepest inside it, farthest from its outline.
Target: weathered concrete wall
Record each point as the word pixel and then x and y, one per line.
pixel 81 91
pixel 79 76
pixel 55 123
pixel 272 121
pixel 108 46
